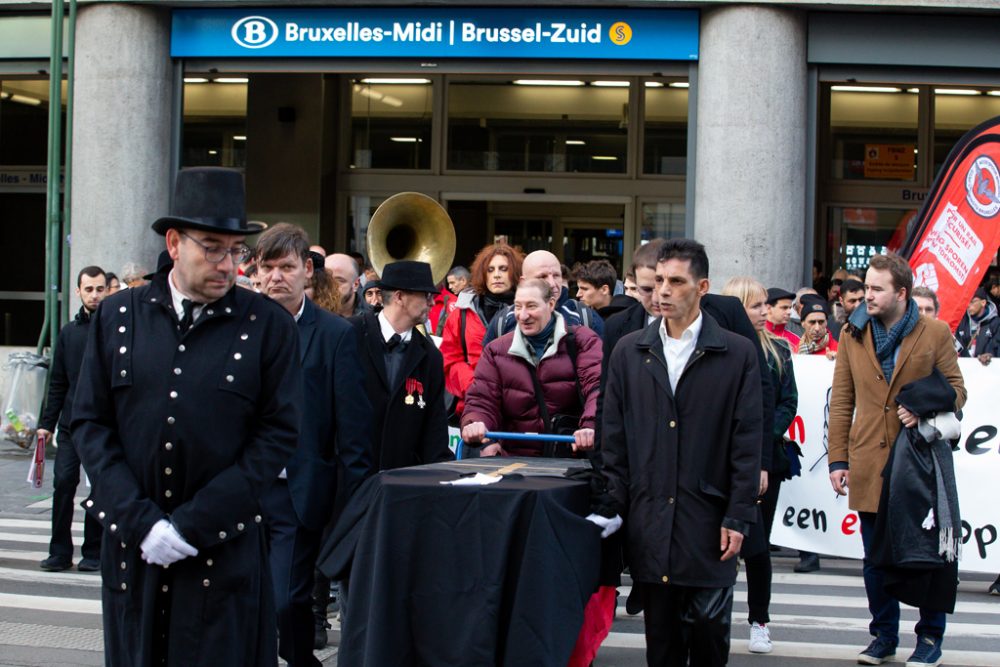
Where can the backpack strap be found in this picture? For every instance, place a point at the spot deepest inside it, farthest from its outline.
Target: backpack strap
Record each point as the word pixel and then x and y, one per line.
pixel 461 328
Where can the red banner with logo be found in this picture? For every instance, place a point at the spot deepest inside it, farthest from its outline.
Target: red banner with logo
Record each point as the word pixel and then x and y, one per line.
pixel 957 232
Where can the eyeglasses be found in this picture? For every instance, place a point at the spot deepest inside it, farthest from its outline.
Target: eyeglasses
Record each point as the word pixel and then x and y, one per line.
pixel 215 254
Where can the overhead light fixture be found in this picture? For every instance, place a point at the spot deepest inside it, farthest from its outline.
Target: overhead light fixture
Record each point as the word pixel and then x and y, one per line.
pixel 233 79
pixel 195 79
pixel 213 152
pixel 603 157
pixel 956 91
pixel 398 81
pixel 547 82
pixel 913 90
pixel 24 99
pixel 865 89
pixel 239 137
pixel 654 84
pixel 392 101
pixel 4 96
pixel 680 84
pixel 610 84
pixel 993 93
pixel 576 142
pixel 404 140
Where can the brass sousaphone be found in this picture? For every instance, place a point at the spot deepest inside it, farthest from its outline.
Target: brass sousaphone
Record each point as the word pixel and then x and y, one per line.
pixel 413 226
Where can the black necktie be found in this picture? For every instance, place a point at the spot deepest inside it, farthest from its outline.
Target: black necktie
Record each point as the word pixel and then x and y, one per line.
pixel 188 319
pixel 394 341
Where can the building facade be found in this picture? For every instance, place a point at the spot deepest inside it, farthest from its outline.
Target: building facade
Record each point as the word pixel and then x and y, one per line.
pixel 774 132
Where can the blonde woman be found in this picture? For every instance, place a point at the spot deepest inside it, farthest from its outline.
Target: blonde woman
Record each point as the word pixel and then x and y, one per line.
pixel 755 552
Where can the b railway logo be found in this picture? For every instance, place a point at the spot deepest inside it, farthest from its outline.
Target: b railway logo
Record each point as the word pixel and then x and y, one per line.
pixel 982 185
pixel 255 32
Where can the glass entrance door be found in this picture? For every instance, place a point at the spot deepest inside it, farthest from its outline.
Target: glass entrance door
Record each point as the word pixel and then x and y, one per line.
pixel 574 232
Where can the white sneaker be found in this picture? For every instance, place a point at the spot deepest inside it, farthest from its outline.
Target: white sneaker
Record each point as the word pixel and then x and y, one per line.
pixel 760 639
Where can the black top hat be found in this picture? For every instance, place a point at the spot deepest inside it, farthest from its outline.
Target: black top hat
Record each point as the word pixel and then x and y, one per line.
pixel 211 199
pixel 409 276
pixel 813 304
pixel 776 294
pixel 163 263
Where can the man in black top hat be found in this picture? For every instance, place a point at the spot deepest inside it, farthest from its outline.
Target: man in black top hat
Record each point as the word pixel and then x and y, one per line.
pixel 187 410
pixel 404 374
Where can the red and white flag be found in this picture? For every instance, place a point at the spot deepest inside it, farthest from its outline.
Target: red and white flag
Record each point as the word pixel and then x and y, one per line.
pixel 957 232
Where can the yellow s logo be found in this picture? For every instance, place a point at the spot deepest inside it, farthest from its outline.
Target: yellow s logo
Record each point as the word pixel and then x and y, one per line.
pixel 620 33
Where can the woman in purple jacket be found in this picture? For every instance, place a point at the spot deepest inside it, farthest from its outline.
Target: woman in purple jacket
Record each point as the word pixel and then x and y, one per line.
pixel 566 363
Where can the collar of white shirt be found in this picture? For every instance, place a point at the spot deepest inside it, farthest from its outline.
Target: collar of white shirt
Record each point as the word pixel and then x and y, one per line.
pixel 388 331
pixel 302 308
pixel 677 351
pixel 177 298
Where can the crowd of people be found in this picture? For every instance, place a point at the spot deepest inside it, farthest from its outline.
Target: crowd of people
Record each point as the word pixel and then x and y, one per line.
pixel 223 432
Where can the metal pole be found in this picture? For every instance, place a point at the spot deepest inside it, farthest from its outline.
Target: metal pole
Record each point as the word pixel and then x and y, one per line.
pixel 67 228
pixel 50 327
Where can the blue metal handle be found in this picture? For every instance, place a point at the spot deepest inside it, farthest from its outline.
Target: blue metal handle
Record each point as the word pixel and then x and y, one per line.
pixel 502 435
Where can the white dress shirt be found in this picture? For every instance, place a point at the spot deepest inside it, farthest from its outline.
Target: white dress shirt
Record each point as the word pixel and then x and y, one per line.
pixel 677 351
pixel 177 297
pixel 388 331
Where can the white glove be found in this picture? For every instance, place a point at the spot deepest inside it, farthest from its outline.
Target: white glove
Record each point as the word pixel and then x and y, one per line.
pixel 607 526
pixel 164 545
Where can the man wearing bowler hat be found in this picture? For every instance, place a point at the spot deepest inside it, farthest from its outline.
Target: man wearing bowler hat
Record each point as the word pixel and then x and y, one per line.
pixel 186 414
pixel 404 374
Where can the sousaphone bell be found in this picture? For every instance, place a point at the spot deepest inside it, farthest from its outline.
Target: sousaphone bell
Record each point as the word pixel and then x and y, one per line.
pixel 412 226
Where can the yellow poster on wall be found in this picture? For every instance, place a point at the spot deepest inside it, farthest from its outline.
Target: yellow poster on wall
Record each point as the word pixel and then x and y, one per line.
pixel 889 162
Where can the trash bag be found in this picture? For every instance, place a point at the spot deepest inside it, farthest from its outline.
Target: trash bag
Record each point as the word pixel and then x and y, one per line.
pixel 25 391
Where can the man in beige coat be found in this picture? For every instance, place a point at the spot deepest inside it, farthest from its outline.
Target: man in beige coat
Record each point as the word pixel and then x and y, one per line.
pixel 886 345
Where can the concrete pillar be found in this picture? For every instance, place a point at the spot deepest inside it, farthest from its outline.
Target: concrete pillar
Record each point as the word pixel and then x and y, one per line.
pixel 751 144
pixel 121 136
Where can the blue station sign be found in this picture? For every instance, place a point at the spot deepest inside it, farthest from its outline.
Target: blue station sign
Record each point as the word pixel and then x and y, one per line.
pixel 550 33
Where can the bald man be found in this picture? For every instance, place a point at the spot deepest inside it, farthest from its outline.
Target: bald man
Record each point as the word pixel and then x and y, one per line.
pixel 543 265
pixel 344 271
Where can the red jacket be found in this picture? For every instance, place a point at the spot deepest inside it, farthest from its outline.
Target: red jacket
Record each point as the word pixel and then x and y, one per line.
pixel 503 394
pixel 458 370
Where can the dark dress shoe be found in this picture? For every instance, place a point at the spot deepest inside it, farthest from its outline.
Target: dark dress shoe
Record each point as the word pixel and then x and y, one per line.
pixel 808 563
pixel 89 565
pixel 321 639
pixel 56 564
pixel 633 603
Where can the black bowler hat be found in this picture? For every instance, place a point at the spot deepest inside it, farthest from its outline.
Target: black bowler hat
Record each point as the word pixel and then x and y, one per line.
pixel 408 276
pixel 211 199
pixel 776 294
pixel 813 304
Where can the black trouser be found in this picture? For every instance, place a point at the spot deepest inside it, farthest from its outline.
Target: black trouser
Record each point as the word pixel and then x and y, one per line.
pixel 294 549
pixel 759 566
pixel 687 625
pixel 66 479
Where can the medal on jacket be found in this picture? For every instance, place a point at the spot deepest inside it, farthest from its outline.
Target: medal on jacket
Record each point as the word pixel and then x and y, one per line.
pixel 419 386
pixel 410 388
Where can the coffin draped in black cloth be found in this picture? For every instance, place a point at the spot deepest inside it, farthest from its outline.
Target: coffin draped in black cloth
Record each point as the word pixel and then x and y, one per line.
pixel 474 575
pixel 908 552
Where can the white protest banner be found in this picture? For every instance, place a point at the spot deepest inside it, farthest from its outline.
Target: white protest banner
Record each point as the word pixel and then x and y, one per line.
pixel 811 517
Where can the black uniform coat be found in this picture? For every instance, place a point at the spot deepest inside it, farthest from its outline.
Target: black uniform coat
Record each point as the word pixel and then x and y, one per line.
pixel 336 417
pixel 680 467
pixel 403 434
pixel 193 428
pixel 66 360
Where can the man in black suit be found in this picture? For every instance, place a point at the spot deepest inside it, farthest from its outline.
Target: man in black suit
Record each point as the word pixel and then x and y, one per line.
pixel 404 371
pixel 334 433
